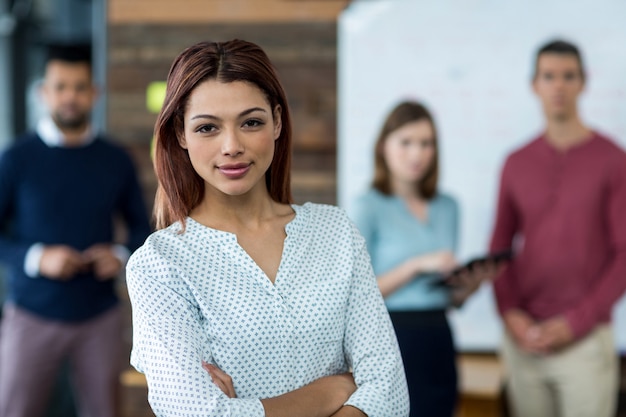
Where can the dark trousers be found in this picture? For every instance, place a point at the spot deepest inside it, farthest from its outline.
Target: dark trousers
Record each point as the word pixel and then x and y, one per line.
pixel 429 358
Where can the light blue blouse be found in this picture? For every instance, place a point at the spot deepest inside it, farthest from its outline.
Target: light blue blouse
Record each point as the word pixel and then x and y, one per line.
pixel 199 296
pixel 393 235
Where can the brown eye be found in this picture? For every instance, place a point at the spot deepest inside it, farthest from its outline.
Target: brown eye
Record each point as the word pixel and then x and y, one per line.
pixel 205 128
pixel 253 123
pixel 570 76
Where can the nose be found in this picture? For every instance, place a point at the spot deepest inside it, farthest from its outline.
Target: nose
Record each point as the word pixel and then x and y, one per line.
pixel 415 151
pixel 560 82
pixel 232 144
pixel 69 95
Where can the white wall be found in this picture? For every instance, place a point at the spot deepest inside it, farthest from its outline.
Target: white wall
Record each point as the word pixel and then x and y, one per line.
pixel 471 62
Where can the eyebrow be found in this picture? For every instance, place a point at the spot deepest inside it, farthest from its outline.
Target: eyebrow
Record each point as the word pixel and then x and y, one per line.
pixel 242 114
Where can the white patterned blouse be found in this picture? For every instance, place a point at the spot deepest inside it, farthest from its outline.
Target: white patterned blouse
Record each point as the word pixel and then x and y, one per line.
pixel 199 296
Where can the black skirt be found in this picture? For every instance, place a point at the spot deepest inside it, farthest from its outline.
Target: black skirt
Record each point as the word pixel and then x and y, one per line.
pixel 429 359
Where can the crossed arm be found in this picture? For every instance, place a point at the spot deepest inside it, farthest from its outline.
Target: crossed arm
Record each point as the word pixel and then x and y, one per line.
pixel 323 397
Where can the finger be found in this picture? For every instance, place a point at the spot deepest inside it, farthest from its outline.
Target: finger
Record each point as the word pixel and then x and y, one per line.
pixel 104 270
pixel 75 261
pixel 222 385
pixel 215 375
pixel 468 280
pixel 95 253
pixel 533 333
pixel 69 268
pixel 225 380
pixel 210 368
pixel 218 383
pixel 221 374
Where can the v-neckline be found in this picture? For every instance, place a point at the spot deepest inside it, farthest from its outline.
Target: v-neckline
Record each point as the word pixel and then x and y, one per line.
pixel 423 221
pixel 233 237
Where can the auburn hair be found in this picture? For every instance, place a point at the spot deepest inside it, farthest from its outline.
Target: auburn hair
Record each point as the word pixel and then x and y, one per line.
pixel 401 115
pixel 180 189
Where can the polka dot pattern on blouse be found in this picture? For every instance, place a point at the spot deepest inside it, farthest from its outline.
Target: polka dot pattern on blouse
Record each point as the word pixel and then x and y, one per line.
pixel 199 296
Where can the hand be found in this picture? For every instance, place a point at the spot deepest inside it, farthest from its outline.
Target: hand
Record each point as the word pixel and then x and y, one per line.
pixel 221 379
pixel 323 397
pixel 522 329
pixel 103 261
pixel 488 271
pixel 464 284
pixel 344 383
pixel 442 262
pixel 553 334
pixel 62 263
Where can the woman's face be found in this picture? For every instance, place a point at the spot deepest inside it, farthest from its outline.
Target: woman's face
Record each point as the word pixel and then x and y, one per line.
pixel 229 133
pixel 409 151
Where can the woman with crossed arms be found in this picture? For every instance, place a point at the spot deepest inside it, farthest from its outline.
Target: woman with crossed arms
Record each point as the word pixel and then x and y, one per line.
pixel 245 304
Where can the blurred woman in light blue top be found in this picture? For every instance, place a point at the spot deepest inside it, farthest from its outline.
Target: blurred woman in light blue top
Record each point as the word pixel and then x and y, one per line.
pixel 411 231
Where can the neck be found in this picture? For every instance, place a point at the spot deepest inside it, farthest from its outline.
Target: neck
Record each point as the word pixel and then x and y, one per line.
pixel 231 213
pixel 74 137
pixel 565 133
pixel 405 190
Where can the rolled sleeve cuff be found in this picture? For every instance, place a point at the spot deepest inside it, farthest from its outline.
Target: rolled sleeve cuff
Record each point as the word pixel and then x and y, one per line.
pixel 373 402
pixel 248 408
pixel 122 253
pixel 32 260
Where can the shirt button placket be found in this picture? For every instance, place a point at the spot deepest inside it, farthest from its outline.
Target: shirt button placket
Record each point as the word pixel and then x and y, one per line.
pixel 286 335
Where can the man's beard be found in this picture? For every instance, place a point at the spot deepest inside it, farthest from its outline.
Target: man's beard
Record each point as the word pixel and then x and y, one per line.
pixel 71 123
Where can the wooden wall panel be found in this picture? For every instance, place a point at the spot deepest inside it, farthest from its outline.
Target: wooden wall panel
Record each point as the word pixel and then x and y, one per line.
pixel 223 11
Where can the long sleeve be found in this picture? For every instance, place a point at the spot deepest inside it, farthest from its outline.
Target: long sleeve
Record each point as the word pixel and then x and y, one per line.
pixel 12 251
pixel 198 295
pixel 451 225
pixel 65 196
pixel 133 210
pixel 505 228
pixel 363 216
pixel 371 347
pixel 611 284
pixel 169 343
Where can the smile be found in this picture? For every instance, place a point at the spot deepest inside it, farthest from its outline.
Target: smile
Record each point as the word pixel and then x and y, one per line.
pixel 234 171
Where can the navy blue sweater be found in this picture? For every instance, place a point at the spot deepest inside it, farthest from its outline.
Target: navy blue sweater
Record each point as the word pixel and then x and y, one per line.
pixel 69 196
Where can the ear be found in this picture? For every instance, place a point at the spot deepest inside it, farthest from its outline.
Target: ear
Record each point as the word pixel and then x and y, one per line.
pixel 182 141
pixel 95 92
pixel 278 122
pixel 534 84
pixel 583 85
pixel 42 90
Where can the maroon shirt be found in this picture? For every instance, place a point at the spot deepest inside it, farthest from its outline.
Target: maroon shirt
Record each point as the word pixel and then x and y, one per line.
pixel 564 212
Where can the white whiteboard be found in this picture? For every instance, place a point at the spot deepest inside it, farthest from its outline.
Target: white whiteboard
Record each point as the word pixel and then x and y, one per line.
pixel 471 63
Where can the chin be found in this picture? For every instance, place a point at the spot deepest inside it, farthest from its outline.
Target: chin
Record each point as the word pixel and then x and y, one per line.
pixel 560 116
pixel 235 192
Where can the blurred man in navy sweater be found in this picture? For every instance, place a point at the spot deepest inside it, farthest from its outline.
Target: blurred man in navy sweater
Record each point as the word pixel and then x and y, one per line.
pixel 62 190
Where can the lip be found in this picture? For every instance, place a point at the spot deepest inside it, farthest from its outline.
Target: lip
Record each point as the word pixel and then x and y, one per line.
pixel 234 171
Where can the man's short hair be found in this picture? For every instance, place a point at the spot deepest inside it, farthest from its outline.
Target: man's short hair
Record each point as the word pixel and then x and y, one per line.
pixel 562 47
pixel 69 52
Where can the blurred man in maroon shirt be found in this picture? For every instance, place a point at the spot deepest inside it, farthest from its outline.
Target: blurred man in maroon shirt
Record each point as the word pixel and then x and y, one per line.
pixel 562 207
